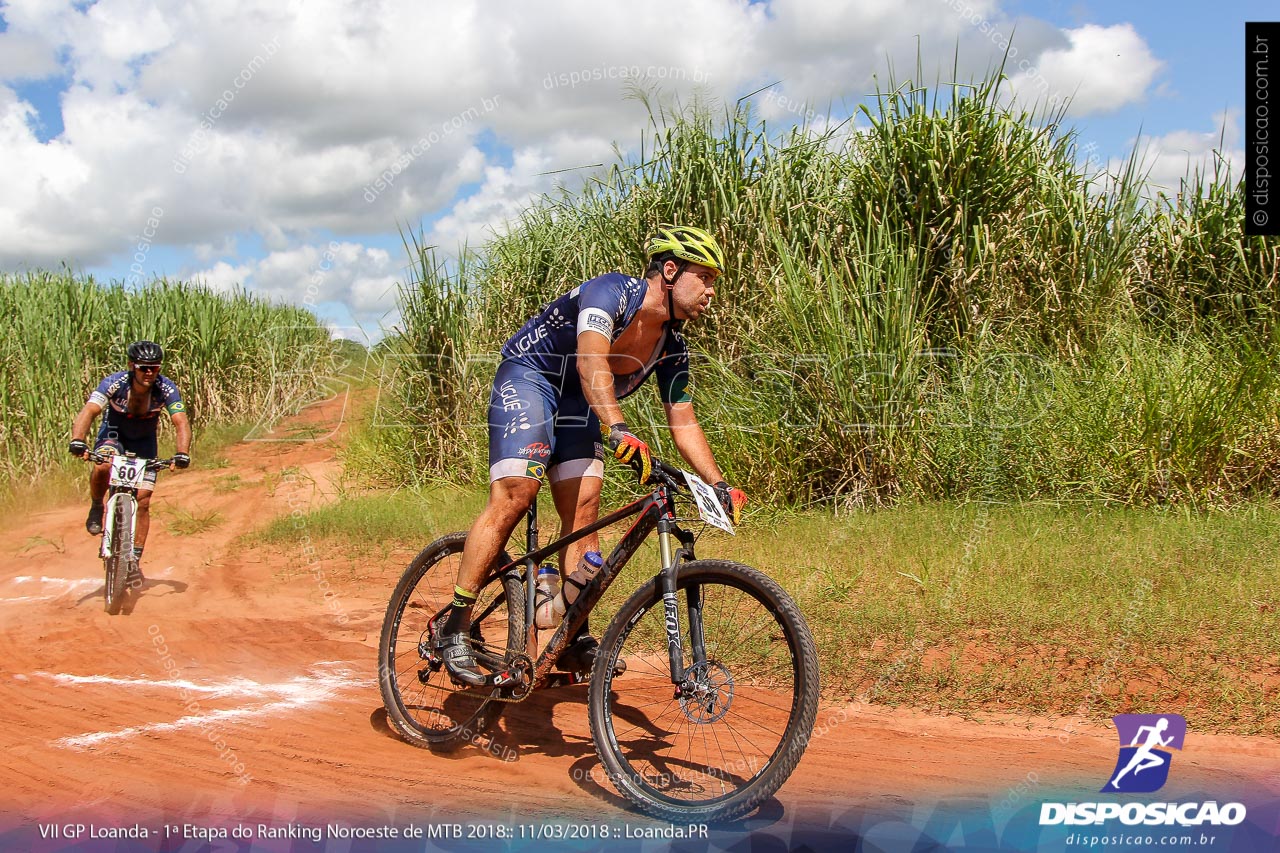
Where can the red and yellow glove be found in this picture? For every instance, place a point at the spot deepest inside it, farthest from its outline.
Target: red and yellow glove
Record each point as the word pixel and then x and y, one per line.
pixel 733 500
pixel 628 448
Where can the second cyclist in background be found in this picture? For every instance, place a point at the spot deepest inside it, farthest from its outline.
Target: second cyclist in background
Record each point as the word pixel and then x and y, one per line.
pixel 131 402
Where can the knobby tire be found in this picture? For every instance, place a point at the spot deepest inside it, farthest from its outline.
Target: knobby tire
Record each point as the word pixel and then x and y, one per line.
pixel 117 565
pixel 423 704
pixel 718 757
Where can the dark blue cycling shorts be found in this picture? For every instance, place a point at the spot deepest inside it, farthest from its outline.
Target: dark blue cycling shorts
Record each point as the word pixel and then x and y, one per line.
pixel 536 429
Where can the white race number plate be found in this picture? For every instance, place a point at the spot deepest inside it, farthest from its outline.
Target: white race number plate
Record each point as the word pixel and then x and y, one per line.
pixel 708 503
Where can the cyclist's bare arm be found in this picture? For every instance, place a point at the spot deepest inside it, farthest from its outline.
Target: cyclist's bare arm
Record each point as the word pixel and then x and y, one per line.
pixel 597 377
pixel 597 386
pixel 182 432
pixel 84 420
pixel 691 441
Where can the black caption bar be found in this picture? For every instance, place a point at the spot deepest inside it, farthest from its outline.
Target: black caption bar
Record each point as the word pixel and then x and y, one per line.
pixel 1261 123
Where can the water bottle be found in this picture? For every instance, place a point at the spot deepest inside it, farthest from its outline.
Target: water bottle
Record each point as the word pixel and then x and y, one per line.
pixel 545 596
pixel 587 568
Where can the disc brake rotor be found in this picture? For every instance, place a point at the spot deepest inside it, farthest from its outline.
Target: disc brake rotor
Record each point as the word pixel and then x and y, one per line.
pixel 707 693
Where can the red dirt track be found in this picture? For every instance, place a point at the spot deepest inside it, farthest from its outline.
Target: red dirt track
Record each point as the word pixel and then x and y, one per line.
pixel 231 692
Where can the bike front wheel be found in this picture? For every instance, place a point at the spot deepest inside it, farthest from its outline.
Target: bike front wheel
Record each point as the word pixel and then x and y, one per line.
pixel 719 744
pixel 423 703
pixel 117 565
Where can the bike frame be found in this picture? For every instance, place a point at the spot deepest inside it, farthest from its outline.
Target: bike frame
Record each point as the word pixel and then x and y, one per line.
pixel 114 499
pixel 115 495
pixel 655 511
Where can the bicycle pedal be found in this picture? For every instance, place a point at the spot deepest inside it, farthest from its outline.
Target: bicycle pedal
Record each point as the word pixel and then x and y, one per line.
pixel 567 679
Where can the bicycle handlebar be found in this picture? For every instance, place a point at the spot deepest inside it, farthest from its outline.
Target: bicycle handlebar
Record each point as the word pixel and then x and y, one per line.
pixel 152 464
pixel 663 473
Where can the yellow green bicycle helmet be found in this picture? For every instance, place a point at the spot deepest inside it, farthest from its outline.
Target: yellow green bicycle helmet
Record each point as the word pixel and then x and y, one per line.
pixel 686 243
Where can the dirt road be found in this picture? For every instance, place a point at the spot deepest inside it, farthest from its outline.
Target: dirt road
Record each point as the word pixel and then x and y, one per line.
pixel 237 692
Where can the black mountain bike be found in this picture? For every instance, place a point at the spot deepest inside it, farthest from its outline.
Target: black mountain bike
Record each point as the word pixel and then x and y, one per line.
pixel 705 685
pixel 118 520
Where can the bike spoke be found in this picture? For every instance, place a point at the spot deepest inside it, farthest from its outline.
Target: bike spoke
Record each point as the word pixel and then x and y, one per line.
pixel 734 719
pixel 422 700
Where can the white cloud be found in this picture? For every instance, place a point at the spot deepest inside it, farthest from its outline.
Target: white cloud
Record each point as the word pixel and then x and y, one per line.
pixel 507 191
pixel 361 277
pixel 26 56
pixel 249 123
pixel 1101 69
pixel 223 276
pixel 1180 153
pixel 205 252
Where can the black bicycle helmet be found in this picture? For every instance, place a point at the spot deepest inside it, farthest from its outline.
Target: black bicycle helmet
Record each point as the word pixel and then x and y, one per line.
pixel 145 352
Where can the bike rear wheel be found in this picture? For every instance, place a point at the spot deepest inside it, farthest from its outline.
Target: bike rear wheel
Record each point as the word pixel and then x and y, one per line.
pixel 117 565
pixel 719 748
pixel 423 704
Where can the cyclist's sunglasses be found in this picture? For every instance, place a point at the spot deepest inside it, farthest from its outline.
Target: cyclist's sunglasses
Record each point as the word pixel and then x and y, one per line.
pixel 147 368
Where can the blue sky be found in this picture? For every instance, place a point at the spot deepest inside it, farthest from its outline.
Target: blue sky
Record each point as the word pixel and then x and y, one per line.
pixel 125 157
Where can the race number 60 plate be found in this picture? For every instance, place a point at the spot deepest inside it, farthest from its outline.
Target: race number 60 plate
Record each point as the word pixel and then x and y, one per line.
pixel 127 472
pixel 708 503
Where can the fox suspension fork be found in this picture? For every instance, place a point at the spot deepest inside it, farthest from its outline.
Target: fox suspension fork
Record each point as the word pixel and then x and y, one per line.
pixel 671 560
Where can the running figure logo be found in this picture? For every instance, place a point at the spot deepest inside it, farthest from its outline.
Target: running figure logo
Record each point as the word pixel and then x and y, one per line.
pixel 1145 741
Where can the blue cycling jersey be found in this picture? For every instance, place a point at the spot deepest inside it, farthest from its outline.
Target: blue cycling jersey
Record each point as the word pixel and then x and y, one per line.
pixel 112 394
pixel 548 342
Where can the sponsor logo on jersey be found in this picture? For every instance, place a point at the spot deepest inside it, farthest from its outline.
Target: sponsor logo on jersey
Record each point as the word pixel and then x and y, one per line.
pixel 598 321
pixel 537 448
pixel 530 338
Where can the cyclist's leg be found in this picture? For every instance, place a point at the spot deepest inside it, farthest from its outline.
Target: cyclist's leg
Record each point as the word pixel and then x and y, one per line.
pixel 521 408
pixel 509 499
pixel 99 477
pixel 576 477
pixel 144 515
pixel 577 502
pixel 107 442
pixel 145 449
pixel 136 577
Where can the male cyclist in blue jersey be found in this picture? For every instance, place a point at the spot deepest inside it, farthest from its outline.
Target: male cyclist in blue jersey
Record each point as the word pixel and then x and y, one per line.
pixel 132 400
pixel 555 396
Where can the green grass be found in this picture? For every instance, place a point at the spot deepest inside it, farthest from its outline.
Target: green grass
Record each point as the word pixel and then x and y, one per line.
pixel 188 522
pixel 33 542
pixel 227 483
pixel 59 486
pixel 402 517
pixel 1048 610
pixel 1030 608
